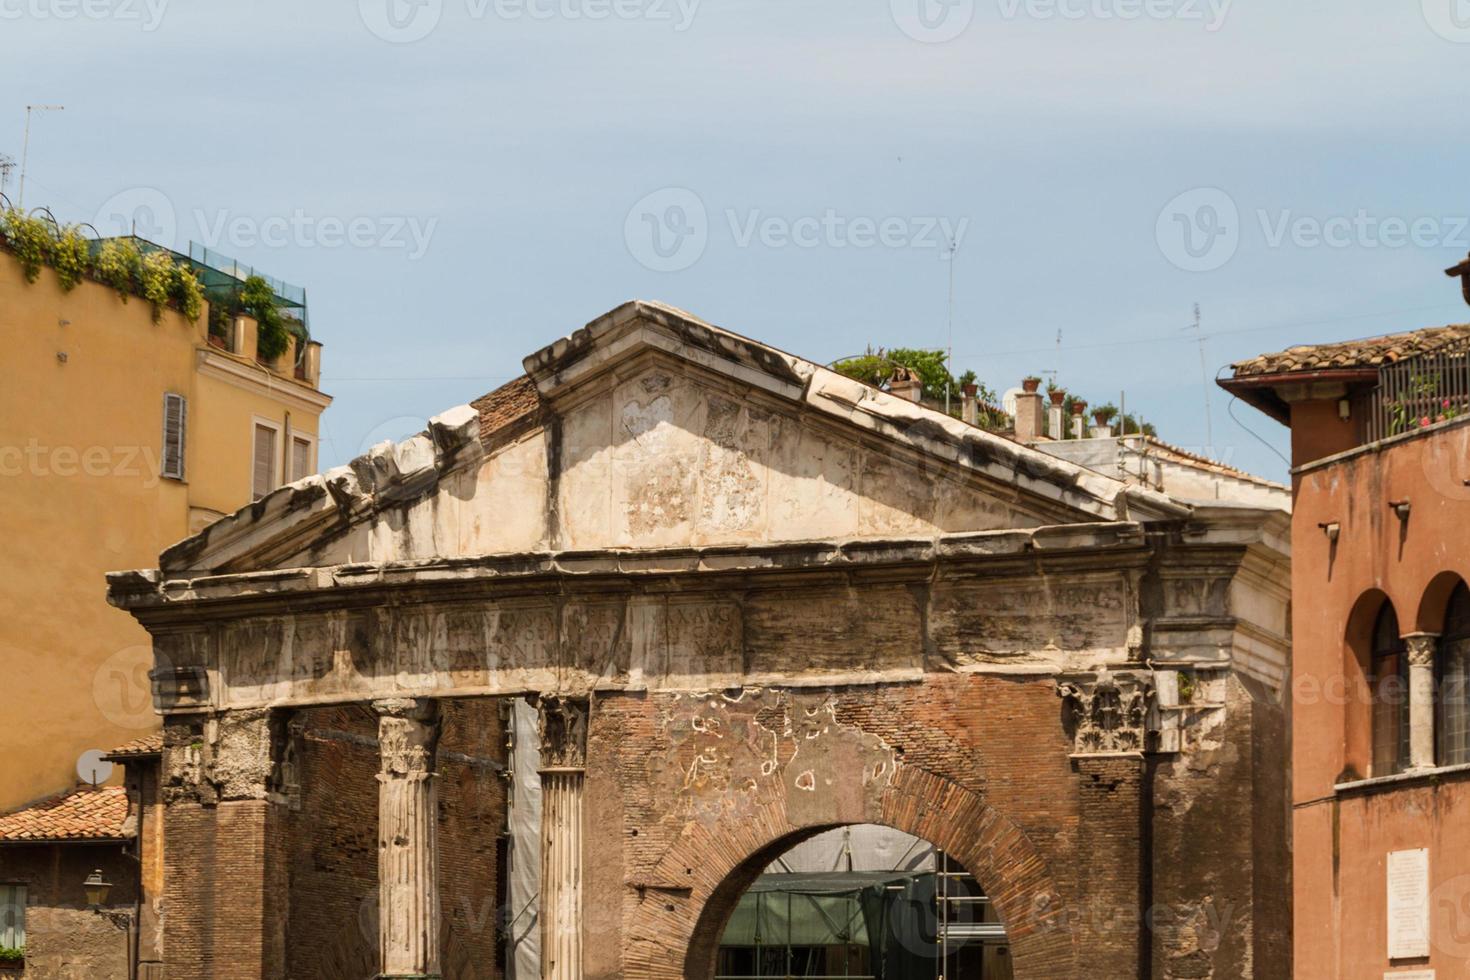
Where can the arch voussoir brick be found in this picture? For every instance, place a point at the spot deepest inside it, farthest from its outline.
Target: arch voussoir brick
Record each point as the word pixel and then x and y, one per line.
pixel 675 931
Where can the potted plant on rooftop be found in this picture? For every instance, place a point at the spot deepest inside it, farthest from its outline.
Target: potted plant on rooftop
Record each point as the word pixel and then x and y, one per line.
pixel 1056 393
pixel 1104 414
pixel 1030 383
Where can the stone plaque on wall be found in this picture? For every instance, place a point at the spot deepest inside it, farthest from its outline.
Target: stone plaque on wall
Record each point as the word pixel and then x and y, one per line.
pixel 1408 904
pixel 1410 975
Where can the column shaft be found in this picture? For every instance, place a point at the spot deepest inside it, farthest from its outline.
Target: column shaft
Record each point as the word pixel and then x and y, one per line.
pixel 563 773
pixel 561 876
pixel 1421 699
pixel 408 845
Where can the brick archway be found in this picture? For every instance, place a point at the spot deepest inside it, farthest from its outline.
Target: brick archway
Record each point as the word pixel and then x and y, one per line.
pixel 676 934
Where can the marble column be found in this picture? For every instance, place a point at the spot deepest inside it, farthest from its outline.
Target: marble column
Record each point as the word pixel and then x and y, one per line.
pixel 1421 647
pixel 408 846
pixel 563 771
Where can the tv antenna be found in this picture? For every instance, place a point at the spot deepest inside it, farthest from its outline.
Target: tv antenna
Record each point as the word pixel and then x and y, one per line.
pixel 949 353
pixel 7 164
pixel 1204 377
pixel 25 147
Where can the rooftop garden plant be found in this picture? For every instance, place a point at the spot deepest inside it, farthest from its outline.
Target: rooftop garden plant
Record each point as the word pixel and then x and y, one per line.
pixel 117 262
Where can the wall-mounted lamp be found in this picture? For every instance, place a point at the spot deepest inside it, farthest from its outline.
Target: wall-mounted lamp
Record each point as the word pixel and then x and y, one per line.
pixel 1400 508
pixel 1332 529
pixel 1344 409
pixel 97 887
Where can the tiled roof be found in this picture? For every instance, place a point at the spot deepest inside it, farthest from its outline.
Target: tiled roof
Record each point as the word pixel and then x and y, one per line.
pixel 145 746
pixel 1212 465
pixel 84 814
pixel 1370 352
pixel 509 403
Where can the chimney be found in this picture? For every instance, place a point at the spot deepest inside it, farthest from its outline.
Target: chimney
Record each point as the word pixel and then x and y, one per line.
pixel 969 408
pixel 1054 414
pixel 1079 425
pixel 1461 272
pixel 906 387
pixel 1028 414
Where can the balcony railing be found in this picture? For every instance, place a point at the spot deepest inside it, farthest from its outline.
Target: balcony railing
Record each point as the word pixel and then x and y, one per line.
pixel 1420 391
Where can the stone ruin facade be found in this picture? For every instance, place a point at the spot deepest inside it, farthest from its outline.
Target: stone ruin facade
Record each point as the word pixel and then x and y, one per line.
pixel 741 600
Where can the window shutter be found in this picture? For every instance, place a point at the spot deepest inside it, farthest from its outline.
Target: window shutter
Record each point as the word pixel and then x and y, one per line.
pixel 13 916
pixel 175 419
pixel 300 458
pixel 264 478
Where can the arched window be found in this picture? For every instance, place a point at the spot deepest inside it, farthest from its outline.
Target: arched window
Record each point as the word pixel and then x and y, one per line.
pixel 1390 696
pixel 1452 674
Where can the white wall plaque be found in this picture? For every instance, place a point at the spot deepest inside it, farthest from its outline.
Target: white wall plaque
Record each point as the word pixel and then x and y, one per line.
pixel 1408 905
pixel 1411 975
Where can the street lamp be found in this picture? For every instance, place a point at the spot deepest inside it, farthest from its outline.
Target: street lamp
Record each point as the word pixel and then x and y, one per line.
pixel 97 886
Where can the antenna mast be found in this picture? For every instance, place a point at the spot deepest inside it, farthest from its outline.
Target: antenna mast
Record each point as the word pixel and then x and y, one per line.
pixel 1204 377
pixel 949 353
pixel 25 147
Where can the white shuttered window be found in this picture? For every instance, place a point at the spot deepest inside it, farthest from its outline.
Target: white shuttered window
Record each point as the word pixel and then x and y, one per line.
pixel 13 916
pixel 175 422
pixel 300 458
pixel 263 479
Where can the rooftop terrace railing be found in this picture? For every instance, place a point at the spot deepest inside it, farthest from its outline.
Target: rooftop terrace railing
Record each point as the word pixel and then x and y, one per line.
pixel 1420 391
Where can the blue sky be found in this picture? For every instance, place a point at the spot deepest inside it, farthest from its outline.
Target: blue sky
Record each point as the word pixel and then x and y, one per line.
pixel 455 200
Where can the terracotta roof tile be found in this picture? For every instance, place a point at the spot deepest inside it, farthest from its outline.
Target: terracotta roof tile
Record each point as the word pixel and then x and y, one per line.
pixel 84 814
pixel 147 745
pixel 1370 352
pixel 1213 465
pixel 507 404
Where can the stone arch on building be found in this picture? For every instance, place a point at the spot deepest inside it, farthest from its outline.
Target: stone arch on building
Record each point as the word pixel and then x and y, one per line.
pixel 1355 696
pixel 677 935
pixel 1434 601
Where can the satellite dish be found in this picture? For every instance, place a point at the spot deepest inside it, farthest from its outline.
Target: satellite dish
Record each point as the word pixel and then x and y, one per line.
pixel 92 768
pixel 1008 401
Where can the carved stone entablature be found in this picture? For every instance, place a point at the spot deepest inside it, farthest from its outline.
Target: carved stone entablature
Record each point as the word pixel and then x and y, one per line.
pixel 177 688
pixel 1110 713
pixel 408 733
pixel 563 733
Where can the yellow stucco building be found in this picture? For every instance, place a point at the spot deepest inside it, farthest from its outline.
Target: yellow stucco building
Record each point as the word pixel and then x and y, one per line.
pixel 118 436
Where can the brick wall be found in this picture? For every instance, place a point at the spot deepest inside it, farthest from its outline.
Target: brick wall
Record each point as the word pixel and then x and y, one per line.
pixel 333 843
pixel 688 797
pixel 226 895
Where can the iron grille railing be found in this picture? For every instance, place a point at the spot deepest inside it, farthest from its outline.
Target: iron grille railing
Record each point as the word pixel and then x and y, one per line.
pixel 1420 391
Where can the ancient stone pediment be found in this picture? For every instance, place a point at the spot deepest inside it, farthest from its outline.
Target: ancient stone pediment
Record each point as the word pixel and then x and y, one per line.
pixel 651 429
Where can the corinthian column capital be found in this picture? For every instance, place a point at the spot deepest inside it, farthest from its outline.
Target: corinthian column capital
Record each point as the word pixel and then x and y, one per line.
pixel 563 733
pixel 1421 648
pixel 408 733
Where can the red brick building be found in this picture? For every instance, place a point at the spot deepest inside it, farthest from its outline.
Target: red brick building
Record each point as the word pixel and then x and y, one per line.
pixel 718 600
pixel 1380 437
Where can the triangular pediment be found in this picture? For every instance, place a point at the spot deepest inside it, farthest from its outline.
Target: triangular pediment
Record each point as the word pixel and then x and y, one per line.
pixel 649 428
